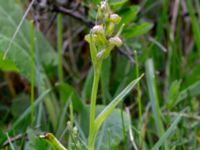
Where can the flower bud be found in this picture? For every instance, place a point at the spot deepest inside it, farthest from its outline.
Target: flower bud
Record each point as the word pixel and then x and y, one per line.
pixel 103 5
pixel 98 29
pixel 116 41
pixel 87 38
pixel 115 18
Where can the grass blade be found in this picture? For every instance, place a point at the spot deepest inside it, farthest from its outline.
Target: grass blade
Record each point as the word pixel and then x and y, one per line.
pixel 195 24
pixel 111 106
pixel 192 90
pixel 151 83
pixel 168 133
pixel 32 47
pixel 28 110
pixel 59 46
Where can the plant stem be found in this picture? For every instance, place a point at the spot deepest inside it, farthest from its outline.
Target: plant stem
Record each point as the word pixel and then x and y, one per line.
pixel 32 47
pixel 71 115
pixel 71 124
pixel 91 142
pixel 59 47
pixel 139 99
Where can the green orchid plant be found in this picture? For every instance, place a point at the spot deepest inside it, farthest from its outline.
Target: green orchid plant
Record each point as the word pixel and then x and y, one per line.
pixel 102 41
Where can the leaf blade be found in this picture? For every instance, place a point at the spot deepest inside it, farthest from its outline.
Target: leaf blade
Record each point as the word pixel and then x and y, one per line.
pixel 110 107
pixel 168 132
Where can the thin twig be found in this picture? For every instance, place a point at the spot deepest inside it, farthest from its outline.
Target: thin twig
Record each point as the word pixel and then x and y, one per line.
pixel 184 8
pixel 9 141
pixel 12 139
pixel 51 22
pixel 74 14
pixel 127 55
pixel 157 43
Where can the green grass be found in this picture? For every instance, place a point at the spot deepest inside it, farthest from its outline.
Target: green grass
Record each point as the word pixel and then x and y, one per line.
pixel 97 80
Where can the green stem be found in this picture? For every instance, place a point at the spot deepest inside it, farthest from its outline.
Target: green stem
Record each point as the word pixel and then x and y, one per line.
pixel 71 116
pixel 32 47
pixel 139 99
pixel 71 124
pixel 59 47
pixel 92 130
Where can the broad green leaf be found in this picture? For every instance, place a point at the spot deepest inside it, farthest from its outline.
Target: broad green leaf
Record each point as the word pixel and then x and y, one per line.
pixel 7 65
pixel 20 53
pixel 167 133
pixel 96 1
pixel 111 106
pixel 66 92
pixel 129 14
pixel 137 30
pixel 111 132
pixel 116 4
pixel 112 129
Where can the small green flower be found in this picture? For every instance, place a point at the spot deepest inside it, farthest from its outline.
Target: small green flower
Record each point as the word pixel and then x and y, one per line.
pixel 115 18
pixel 97 29
pixel 116 41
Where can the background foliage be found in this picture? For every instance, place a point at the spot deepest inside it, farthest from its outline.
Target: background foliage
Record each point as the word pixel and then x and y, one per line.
pixel 160 39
